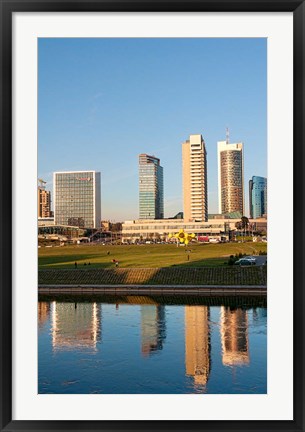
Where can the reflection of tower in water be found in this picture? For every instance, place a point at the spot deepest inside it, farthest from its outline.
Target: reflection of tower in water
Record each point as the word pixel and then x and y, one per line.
pixel 234 337
pixel 75 325
pixel 43 313
pixel 153 328
pixel 197 343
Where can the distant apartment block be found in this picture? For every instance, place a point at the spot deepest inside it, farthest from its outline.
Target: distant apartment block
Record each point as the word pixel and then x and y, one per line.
pixel 151 199
pixel 194 177
pixel 230 177
pixel 258 197
pixel 44 201
pixel 77 198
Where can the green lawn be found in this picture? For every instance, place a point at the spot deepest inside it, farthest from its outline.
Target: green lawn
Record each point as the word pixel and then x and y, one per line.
pixel 144 256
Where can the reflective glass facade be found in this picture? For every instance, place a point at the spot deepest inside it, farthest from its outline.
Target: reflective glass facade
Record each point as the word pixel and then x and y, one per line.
pixel 77 198
pixel 151 200
pixel 258 197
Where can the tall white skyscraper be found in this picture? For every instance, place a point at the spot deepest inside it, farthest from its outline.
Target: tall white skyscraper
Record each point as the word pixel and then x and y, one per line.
pixel 194 176
pixel 230 177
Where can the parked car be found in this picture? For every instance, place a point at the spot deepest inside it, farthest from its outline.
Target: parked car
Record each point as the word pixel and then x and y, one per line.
pixel 245 261
pixel 251 258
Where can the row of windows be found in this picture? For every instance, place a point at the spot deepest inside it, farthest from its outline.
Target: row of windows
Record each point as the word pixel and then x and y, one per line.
pixel 170 227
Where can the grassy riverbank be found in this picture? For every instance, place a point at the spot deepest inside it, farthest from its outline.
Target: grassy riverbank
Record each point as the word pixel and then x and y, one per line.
pixel 230 275
pixel 144 256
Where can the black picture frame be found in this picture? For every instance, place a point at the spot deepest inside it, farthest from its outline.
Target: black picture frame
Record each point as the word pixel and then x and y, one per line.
pixel 7 10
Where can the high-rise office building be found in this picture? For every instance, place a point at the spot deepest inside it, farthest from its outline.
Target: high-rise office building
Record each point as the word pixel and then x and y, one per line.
pixel 230 177
pixel 151 200
pixel 77 198
pixel 194 177
pixel 258 197
pixel 44 201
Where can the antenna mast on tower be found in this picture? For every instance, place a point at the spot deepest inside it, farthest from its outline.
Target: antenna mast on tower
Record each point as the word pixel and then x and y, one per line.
pixel 227 135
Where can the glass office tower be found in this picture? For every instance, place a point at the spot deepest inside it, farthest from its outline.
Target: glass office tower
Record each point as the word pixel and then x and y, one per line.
pixel 151 201
pixel 258 197
pixel 77 198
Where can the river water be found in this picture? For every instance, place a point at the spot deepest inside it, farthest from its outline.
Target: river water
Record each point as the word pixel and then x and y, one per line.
pixel 152 345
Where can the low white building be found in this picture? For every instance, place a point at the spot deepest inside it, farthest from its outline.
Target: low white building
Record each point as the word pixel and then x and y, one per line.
pixel 135 230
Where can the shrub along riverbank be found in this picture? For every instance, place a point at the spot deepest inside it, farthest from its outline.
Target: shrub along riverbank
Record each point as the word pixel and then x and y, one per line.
pixel 232 275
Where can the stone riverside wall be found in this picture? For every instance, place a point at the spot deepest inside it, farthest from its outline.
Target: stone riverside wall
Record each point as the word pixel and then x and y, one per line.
pixel 156 276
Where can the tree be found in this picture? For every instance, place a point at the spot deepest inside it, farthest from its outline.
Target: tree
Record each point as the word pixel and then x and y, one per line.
pixel 238 226
pixel 244 223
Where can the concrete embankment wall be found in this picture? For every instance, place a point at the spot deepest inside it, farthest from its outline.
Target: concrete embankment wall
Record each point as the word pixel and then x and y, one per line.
pixel 170 276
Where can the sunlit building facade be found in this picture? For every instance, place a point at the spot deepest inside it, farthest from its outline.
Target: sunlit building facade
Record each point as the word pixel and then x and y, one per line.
pixel 230 177
pixel 44 202
pixel 77 198
pixel 151 195
pixel 194 177
pixel 258 197
pixel 135 230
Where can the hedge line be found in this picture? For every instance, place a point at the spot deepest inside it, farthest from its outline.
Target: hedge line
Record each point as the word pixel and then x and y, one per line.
pixel 160 276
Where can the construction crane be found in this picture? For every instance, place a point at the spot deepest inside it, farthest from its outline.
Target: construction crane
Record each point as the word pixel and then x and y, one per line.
pixel 41 183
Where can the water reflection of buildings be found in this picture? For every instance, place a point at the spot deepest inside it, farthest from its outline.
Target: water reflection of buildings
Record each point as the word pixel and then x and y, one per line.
pixel 234 336
pixel 153 328
pixel 43 313
pixel 197 343
pixel 75 325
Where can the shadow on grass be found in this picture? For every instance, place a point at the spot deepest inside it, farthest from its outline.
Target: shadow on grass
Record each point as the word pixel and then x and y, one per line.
pixel 194 274
pixel 68 261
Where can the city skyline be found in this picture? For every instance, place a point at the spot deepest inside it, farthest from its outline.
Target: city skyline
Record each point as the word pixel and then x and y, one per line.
pixel 103 101
pixel 151 182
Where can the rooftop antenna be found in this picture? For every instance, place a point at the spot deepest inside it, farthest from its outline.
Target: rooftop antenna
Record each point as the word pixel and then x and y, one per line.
pixel 227 135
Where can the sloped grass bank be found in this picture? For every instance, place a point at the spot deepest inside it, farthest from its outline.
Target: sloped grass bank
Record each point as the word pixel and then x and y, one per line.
pixel 144 256
pixel 156 276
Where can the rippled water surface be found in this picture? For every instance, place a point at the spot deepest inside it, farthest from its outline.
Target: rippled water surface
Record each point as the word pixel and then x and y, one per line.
pixel 140 345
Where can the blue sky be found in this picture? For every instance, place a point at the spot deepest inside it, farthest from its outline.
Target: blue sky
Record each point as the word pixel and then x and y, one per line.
pixel 101 102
